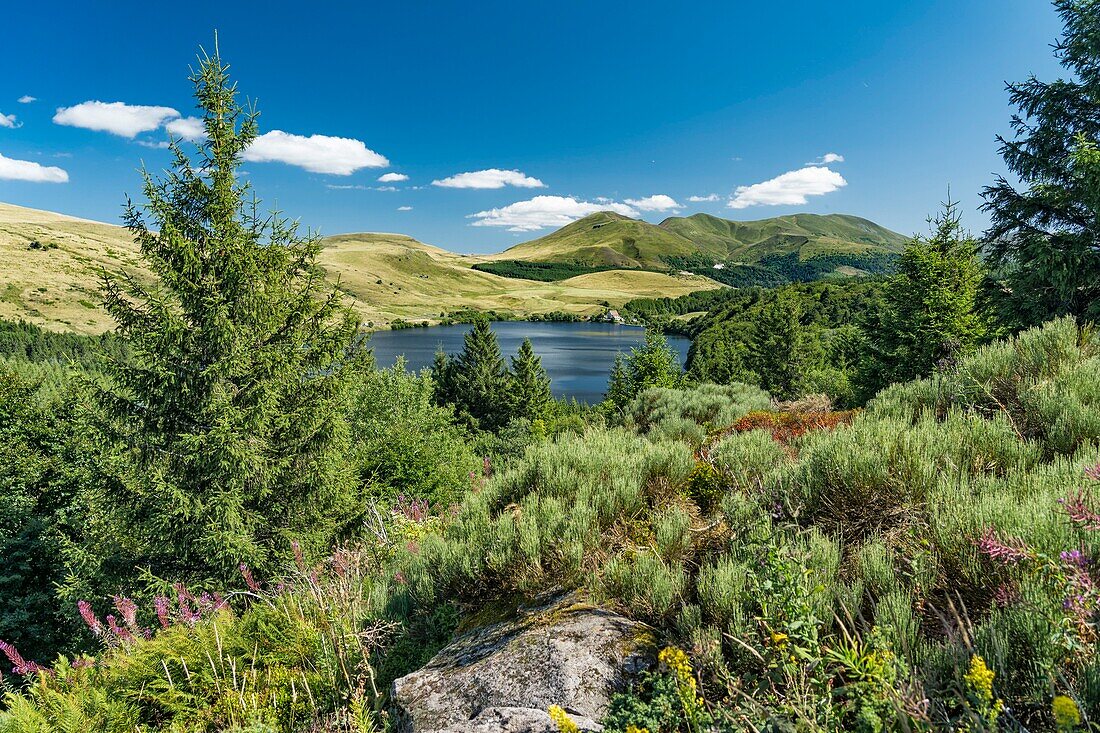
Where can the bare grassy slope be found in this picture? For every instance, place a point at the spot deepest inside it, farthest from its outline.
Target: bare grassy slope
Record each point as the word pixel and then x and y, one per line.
pixel 55 282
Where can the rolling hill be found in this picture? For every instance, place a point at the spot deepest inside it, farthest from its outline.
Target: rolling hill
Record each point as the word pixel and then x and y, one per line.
pixel 609 239
pixel 51 266
pixel 605 239
pixel 809 235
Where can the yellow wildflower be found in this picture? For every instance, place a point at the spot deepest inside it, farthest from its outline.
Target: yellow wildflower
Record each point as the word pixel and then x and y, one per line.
pixel 979 678
pixel 562 720
pixel 636 729
pixel 1066 714
pixel 779 639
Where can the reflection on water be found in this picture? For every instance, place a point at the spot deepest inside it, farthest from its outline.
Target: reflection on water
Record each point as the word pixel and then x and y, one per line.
pixel 577 356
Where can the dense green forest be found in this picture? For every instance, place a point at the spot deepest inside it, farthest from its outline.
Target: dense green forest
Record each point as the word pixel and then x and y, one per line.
pixel 541 271
pixel 865 505
pixel 780 269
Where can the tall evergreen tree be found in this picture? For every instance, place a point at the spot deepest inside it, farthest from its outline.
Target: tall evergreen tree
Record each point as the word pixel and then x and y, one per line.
pixel 653 364
pixel 778 348
pixel 1042 244
pixel 478 379
pixel 930 312
pixel 529 391
pixel 227 415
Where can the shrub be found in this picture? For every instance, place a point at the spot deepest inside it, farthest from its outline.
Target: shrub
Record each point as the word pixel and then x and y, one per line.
pixel 709 406
pixel 401 443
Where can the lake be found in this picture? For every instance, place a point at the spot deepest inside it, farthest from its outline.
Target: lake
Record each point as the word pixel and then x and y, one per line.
pixel 577 356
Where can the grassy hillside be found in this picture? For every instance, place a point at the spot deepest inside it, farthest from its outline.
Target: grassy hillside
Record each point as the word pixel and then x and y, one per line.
pixel 50 269
pixel 419 281
pixel 809 235
pixel 695 243
pixel 602 239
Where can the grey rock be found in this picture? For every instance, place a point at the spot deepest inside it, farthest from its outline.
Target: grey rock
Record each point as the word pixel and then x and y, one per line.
pixel 502 676
pixel 517 720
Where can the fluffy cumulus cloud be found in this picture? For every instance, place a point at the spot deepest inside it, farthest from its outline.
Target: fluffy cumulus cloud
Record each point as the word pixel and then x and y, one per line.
pixel 117 118
pixel 26 170
pixel 404 208
pixel 8 121
pixel 541 212
pixel 392 177
pixel 187 128
pixel 656 202
pixel 339 156
pixel 490 178
pixel 793 187
pixel 27 99
pixel 700 199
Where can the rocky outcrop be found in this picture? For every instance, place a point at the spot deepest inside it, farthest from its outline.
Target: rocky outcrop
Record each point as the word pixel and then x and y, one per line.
pixel 502 676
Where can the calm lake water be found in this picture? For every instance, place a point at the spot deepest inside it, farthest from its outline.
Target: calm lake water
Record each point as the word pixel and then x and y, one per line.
pixel 577 356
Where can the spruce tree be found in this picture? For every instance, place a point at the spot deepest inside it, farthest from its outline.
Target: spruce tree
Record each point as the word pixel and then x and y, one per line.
pixel 930 312
pixel 653 364
pixel 529 388
pixel 479 379
pixel 619 389
pixel 226 418
pixel 1042 244
pixel 778 350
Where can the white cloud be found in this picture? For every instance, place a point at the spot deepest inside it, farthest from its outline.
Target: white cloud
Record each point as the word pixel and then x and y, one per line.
pixel 404 208
pixel 392 177
pixel 708 197
pixel 793 187
pixel 335 187
pixel 656 202
pixel 490 178
pixel 190 129
pixel 117 118
pixel 9 121
pixel 544 211
pixel 25 170
pixel 339 156
pixel 828 158
pixel 27 99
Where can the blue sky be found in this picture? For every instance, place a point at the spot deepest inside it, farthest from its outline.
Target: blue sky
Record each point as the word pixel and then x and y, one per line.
pixel 574 105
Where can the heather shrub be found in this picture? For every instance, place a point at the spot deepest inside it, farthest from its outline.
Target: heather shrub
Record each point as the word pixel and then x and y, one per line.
pixel 709 406
pixel 1043 381
pixel 650 587
pixel 750 460
pixel 538 522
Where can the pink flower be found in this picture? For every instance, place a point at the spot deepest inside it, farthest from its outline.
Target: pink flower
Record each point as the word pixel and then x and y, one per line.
pixel 187 614
pixel 161 604
pixel 128 610
pixel 117 630
pixel 1006 595
pixel 89 617
pixel 249 580
pixel 399 577
pixel 1009 552
pixel 1093 472
pixel 1081 513
pixel 19 665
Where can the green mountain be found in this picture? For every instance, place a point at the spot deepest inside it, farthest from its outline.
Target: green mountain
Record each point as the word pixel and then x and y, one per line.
pixel 607 239
pixel 810 235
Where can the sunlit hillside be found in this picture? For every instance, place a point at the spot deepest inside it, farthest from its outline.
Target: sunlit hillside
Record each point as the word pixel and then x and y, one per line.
pixel 51 266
